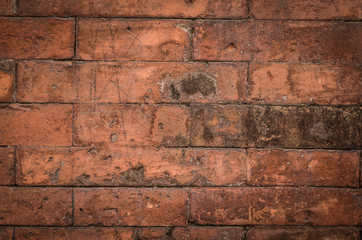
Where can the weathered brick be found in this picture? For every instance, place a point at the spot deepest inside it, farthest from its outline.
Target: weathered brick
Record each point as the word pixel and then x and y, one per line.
pixel 7 78
pixel 130 167
pixel 204 233
pixel 301 233
pixel 155 40
pixel 132 8
pixel 7 7
pixel 282 41
pixel 38 38
pixel 26 233
pixel 131 125
pixel 6 233
pixel 275 206
pixel 294 83
pixel 262 126
pixel 215 125
pixel 303 127
pixel 35 206
pixel 130 82
pixel 7 166
pixel 306 9
pixel 301 167
pixel 130 207
pixel 159 233
pixel 36 125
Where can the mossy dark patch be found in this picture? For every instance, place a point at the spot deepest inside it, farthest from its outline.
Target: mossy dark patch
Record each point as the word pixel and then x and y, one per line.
pixel 133 175
pixel 208 136
pixel 175 95
pixel 181 140
pixel 83 179
pixel 198 83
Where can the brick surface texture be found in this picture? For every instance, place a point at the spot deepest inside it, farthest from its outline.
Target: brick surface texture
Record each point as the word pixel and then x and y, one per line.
pixel 180 119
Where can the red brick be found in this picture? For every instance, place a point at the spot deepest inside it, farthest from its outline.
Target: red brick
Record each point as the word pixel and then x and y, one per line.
pixel 263 126
pixel 7 166
pixel 7 7
pixel 204 233
pixel 294 83
pixel 306 9
pixel 115 39
pixel 66 82
pixel 132 8
pixel 35 206
pixel 301 233
pixel 131 125
pixel 131 207
pixel 36 125
pixel 7 78
pixel 90 233
pixel 44 166
pixel 281 41
pixel 275 206
pixel 130 82
pixel 154 233
pixel 130 167
pixel 6 233
pixel 302 167
pixel 37 38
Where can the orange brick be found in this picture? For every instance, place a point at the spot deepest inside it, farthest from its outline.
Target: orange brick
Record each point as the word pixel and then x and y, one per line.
pixel 27 233
pixel 130 82
pixel 130 207
pixel 301 167
pixel 275 206
pixel 132 8
pixel 7 166
pixel 294 83
pixel 301 233
pixel 35 206
pixel 130 167
pixel 304 42
pixel 7 7
pixel 7 78
pixel 154 40
pixel 306 9
pixel 131 125
pixel 36 125
pixel 38 38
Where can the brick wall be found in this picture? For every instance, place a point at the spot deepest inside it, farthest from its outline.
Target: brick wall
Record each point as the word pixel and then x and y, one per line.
pixel 180 119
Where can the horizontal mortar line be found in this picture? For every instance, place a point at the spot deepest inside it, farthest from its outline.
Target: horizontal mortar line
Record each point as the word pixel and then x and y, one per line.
pixel 183 147
pixel 181 226
pixel 187 104
pixel 205 61
pixel 270 147
pixel 120 17
pixel 180 187
pixel 286 62
pixel 175 148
